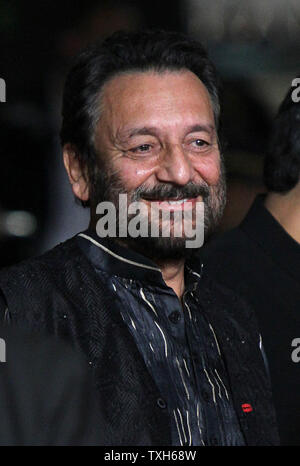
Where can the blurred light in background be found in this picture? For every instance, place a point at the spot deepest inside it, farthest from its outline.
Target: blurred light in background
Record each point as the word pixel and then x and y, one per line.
pixel 17 223
pixel 245 20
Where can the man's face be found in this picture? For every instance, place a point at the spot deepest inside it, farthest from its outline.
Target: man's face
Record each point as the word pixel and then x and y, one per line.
pixel 157 141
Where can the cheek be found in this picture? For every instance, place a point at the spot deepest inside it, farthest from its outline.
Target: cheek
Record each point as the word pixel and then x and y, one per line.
pixel 132 174
pixel 209 169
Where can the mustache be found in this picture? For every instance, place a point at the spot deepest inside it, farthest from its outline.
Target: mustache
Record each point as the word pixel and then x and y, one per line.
pixel 166 191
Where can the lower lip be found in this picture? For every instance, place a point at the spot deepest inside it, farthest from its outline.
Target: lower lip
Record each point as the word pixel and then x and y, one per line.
pixel 189 204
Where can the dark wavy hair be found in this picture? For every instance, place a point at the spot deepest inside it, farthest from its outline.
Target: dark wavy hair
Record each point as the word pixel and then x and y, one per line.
pixel 120 53
pixel 282 161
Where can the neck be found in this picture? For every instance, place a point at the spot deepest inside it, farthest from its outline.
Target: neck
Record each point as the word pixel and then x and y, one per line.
pixel 285 208
pixel 172 270
pixel 173 275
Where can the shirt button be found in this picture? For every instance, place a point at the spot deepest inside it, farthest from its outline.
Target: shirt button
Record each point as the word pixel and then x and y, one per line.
pixel 161 403
pixel 213 441
pixel 195 356
pixel 175 317
pixel 205 395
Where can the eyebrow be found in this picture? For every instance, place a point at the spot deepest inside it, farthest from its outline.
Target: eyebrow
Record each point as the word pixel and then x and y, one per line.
pixel 153 131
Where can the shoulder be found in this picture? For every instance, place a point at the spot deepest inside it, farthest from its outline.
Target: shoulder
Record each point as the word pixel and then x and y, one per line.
pixel 227 309
pixel 227 244
pixel 53 259
pixel 224 297
pixel 229 258
pixel 33 289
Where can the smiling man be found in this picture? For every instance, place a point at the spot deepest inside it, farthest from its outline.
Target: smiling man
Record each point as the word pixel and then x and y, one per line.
pixel 177 359
pixel 157 139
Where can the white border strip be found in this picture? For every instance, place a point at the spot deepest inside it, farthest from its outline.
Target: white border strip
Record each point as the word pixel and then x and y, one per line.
pixel 116 255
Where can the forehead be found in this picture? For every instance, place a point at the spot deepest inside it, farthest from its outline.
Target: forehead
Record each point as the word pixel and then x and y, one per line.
pixel 156 98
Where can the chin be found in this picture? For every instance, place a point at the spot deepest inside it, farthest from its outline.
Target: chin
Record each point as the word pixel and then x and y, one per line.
pixel 161 249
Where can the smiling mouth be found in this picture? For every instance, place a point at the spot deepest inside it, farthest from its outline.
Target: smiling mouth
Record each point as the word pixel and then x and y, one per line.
pixel 172 204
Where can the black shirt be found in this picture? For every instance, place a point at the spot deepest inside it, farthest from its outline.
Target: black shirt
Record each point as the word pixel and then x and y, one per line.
pixel 61 292
pixel 261 262
pixel 178 344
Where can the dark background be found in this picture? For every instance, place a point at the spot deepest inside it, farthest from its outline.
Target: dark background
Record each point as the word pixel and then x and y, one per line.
pixel 254 44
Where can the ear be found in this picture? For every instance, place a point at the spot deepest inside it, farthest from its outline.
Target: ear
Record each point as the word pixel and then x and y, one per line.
pixel 76 173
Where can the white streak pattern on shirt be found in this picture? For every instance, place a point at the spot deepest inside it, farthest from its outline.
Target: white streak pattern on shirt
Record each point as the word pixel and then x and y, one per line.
pixel 178 430
pixel 151 347
pixel 165 341
pixel 185 439
pixel 222 384
pixel 188 424
pixel 146 301
pixel 198 422
pixel 188 310
pixel 220 394
pixel 181 375
pixel 211 384
pixel 186 368
pixel 133 324
pixel 210 326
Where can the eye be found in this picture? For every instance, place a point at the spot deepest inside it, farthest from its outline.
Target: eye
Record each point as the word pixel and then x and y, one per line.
pixel 200 143
pixel 141 148
pixel 147 149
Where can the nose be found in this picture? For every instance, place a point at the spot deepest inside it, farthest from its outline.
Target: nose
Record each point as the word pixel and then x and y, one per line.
pixel 174 166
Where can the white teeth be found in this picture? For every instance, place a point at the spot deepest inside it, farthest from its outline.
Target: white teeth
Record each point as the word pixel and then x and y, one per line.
pixel 181 201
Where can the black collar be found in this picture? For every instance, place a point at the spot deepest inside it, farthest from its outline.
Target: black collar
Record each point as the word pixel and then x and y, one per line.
pixel 107 255
pixel 264 229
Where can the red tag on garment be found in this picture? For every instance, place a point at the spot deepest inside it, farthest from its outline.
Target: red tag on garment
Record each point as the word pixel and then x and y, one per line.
pixel 247 408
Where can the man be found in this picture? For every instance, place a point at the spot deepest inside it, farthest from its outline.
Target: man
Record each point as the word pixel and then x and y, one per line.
pixel 176 358
pixel 260 260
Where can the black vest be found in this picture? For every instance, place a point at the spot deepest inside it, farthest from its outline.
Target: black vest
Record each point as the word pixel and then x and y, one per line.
pixel 60 293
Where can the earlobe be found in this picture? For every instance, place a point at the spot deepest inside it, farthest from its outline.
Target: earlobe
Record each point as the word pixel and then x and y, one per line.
pixel 77 177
